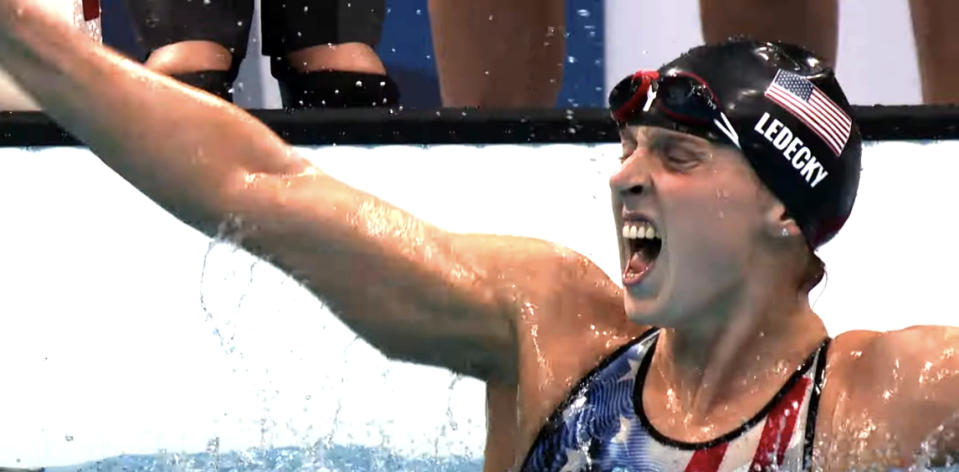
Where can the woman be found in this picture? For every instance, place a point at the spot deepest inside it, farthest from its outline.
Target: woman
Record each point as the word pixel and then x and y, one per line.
pixel 717 251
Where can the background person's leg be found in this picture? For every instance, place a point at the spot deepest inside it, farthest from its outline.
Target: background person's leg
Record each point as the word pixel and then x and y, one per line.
pixel 812 24
pixel 937 45
pixel 322 53
pixel 499 53
pixel 200 43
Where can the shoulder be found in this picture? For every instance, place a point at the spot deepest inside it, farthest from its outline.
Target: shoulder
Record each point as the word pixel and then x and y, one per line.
pixel 903 382
pixel 912 350
pixel 917 347
pixel 905 360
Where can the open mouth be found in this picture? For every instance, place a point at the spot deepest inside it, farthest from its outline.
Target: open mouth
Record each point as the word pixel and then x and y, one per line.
pixel 644 244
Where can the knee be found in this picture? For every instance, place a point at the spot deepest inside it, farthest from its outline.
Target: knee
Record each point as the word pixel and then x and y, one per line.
pixel 334 76
pixel 190 56
pixel 346 57
pixel 205 65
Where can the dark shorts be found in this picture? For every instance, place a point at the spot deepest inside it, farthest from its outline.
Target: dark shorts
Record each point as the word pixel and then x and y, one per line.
pixel 288 25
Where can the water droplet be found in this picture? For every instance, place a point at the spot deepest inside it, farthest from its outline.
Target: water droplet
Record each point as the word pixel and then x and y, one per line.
pixel 419 11
pixel 571 59
pixel 213 445
pixel 491 18
pixel 583 13
pixel 359 83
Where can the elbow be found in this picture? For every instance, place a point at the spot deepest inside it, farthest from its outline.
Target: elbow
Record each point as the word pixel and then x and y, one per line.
pixel 217 207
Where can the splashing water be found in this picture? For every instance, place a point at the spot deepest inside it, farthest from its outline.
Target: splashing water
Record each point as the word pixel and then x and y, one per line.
pixel 287 459
pixel 313 431
pixel 938 450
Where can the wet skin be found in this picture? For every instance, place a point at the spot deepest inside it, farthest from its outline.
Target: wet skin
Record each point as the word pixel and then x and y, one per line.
pixel 528 317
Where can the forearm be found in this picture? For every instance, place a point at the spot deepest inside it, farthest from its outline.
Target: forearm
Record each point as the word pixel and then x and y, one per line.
pixel 176 144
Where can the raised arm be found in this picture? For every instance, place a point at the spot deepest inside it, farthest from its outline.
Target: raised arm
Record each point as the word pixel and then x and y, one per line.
pixel 414 291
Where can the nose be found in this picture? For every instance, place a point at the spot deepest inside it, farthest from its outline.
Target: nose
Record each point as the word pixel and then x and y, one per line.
pixel 630 180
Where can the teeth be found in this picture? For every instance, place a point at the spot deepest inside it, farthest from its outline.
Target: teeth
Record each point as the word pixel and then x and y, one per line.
pixel 640 230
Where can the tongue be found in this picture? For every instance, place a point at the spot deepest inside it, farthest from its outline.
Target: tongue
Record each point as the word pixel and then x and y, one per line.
pixel 638 263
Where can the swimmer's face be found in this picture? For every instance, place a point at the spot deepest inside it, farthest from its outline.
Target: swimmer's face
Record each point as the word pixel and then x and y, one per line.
pixel 710 211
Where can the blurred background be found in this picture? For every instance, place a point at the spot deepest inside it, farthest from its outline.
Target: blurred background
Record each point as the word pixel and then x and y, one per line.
pixel 539 53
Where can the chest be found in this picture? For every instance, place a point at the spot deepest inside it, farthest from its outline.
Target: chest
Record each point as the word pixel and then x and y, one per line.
pixel 601 425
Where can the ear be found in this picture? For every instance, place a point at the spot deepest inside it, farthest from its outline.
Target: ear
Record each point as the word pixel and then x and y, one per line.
pixel 779 225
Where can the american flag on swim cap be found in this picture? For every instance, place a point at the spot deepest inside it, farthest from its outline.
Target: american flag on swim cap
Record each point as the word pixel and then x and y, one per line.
pixel 811 106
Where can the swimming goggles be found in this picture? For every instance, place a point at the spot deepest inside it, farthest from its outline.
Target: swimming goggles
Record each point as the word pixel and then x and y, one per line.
pixel 682 97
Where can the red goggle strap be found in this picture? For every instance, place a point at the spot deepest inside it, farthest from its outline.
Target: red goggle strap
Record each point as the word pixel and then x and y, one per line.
pixel 647 77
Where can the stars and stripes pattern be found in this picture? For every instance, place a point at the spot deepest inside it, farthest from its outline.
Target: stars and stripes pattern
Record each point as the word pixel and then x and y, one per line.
pixel 598 429
pixel 813 107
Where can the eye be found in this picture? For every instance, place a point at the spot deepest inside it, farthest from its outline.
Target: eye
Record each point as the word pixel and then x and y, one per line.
pixel 678 155
pixel 628 150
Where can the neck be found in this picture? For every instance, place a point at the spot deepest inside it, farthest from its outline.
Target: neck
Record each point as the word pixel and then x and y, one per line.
pixel 732 363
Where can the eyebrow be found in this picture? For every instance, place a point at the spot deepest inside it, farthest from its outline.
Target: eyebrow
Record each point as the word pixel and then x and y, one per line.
pixel 655 136
pixel 660 137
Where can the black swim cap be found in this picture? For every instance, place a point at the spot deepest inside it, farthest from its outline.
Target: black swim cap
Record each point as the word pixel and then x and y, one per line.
pixel 778 103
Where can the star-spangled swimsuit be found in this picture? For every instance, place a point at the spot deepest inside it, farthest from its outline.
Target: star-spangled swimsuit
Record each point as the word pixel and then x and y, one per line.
pixel 602 425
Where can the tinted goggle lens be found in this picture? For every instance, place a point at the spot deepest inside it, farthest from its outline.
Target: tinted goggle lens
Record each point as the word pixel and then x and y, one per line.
pixel 629 95
pixel 622 92
pixel 686 98
pixel 681 97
